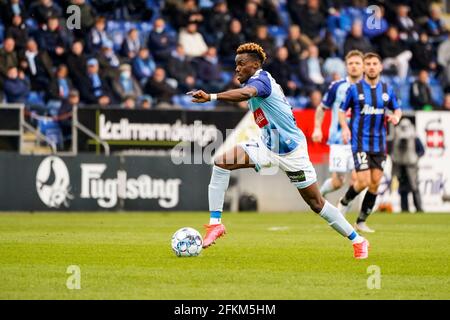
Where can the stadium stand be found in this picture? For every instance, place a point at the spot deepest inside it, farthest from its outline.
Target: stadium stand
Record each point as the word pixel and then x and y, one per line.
pixel 330 27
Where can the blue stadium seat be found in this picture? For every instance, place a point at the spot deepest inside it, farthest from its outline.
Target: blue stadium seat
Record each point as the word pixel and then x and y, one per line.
pixel 226 76
pixel 51 130
pixel 36 99
pixel 2 33
pixel 279 33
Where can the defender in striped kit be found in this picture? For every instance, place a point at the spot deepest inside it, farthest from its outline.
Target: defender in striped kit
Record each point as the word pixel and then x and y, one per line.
pixel 369 101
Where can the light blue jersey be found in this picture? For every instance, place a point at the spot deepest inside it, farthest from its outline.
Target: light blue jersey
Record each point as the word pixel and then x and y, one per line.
pixel 273 114
pixel 333 99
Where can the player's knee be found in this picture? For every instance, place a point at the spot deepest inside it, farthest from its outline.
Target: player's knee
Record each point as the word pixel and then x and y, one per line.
pixel 338 182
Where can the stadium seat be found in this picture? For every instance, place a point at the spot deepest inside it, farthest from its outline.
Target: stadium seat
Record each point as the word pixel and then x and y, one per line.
pixel 279 33
pixel 2 32
pixel 51 129
pixel 36 99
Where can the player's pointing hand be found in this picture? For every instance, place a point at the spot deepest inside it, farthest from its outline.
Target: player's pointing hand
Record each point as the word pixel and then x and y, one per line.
pixel 199 96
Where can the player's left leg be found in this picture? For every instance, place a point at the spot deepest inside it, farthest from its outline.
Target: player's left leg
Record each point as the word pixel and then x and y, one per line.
pixel 334 183
pixel 369 200
pixel 335 219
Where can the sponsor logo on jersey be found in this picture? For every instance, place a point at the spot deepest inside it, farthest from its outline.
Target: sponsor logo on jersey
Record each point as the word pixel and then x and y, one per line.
pixel 260 118
pixel 371 110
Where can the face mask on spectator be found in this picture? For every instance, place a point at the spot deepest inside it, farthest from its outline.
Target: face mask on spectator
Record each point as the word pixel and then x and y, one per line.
pixel 125 74
pixel 159 29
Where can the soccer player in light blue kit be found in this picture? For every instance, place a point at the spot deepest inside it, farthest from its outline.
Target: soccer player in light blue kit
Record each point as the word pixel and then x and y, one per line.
pixel 341 156
pixel 281 145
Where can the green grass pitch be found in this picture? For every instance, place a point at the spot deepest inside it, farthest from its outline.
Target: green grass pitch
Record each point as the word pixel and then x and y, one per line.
pixel 263 256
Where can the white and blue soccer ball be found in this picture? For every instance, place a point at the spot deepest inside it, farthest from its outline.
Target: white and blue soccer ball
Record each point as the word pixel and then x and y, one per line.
pixel 187 242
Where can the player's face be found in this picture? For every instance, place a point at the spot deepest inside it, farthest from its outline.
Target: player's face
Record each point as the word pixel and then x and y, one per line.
pixel 372 68
pixel 355 67
pixel 246 67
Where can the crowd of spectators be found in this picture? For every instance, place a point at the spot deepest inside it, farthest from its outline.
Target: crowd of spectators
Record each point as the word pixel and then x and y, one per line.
pixel 191 44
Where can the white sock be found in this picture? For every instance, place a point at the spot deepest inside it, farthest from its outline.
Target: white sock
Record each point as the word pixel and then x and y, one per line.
pixel 327 187
pixel 337 221
pixel 218 185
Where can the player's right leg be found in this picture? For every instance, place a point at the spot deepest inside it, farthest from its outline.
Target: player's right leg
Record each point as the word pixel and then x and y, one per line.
pixel 234 159
pixel 362 180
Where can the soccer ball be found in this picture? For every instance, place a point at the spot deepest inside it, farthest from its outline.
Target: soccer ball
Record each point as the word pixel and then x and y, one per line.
pixel 187 242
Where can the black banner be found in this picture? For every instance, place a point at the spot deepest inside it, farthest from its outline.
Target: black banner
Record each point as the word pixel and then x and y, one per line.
pixel 153 129
pixel 90 183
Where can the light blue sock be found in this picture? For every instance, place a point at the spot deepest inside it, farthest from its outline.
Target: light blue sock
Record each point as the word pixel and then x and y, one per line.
pixel 338 222
pixel 327 187
pixel 218 185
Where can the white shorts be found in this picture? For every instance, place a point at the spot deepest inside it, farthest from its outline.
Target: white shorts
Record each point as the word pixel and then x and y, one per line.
pixel 341 158
pixel 296 164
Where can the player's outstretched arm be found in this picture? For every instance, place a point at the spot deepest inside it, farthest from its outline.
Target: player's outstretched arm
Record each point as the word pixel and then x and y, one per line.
pixel 235 95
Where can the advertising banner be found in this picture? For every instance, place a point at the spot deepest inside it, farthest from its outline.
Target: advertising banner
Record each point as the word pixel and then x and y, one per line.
pixel 154 129
pixel 91 183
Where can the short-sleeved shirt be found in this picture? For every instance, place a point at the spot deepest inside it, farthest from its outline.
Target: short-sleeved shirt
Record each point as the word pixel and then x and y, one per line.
pixel 368 108
pixel 273 114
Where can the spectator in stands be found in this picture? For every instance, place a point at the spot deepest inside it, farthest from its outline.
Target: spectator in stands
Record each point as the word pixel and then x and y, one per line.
pixel 181 69
pixel 61 85
pixel 420 10
pixel 355 39
pixel 98 37
pixel 251 19
pixel 266 41
pixel 95 88
pixel 192 41
pixel 315 99
pixel 10 9
pixel 406 26
pixel 65 115
pixel 296 43
pixel 282 72
pixel 310 72
pixel 43 9
pixel 395 53
pixel 423 54
pixel 420 93
pixel 446 104
pixel 125 85
pixel 16 86
pixel 87 20
pixel 158 88
pixel 77 63
pixel 188 12
pixel 443 58
pixel 328 47
pixel 232 39
pixel 216 22
pixel 143 66
pixel 436 28
pixel 209 71
pixel 8 58
pixel 309 18
pixel 53 39
pixel 269 9
pixel 18 30
pixel 129 102
pixel 145 102
pixel 131 44
pixel 109 61
pixel 37 65
pixel 160 42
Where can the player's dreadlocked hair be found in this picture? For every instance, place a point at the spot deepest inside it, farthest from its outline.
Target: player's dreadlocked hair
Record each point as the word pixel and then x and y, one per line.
pixel 253 49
